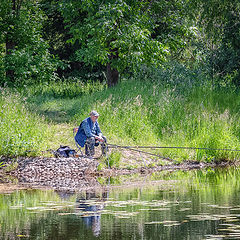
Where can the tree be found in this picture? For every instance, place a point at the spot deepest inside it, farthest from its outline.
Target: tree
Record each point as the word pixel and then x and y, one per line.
pixel 26 52
pixel 117 34
pixel 9 12
pixel 219 24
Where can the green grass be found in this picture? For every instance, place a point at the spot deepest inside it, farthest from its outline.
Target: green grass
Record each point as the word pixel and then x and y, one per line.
pixel 154 111
pixel 22 133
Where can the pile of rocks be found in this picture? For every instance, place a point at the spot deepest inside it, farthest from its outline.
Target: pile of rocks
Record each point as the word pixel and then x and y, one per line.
pixel 57 173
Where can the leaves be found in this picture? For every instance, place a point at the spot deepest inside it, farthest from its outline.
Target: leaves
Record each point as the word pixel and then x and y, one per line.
pixel 118 33
pixel 28 55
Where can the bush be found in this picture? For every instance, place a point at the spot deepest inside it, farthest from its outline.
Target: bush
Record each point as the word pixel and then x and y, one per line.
pixel 31 64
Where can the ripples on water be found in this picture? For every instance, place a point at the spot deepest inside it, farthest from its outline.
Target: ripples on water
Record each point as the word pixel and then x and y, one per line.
pixel 179 205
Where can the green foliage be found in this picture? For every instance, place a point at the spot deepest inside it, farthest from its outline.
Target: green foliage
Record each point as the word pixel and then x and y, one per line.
pixel 124 35
pixel 10 167
pixel 2 164
pixel 21 132
pixel 116 32
pixel 31 64
pixel 218 37
pixel 64 88
pixel 114 159
pixel 27 56
pixel 111 160
pixel 101 166
pixel 172 28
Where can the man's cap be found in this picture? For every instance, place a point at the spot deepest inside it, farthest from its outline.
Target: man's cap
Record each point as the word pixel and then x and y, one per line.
pixel 94 113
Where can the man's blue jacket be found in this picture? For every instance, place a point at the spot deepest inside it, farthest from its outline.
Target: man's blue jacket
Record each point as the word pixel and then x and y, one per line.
pixel 87 129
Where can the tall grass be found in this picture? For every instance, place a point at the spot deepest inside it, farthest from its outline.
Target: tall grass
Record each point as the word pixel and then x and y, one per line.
pixel 156 115
pixel 22 133
pixel 174 106
pixel 65 88
pixel 159 112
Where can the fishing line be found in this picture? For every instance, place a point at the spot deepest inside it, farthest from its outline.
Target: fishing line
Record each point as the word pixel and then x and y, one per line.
pixel 136 149
pixel 164 147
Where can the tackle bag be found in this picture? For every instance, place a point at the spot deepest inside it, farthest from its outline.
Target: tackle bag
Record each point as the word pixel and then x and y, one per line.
pixel 64 151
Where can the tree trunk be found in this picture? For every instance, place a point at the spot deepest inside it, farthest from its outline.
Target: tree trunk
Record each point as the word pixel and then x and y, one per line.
pixel 10 44
pixel 112 73
pixel 112 76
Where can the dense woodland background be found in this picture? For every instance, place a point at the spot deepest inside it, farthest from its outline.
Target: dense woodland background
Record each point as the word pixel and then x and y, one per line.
pixel 48 40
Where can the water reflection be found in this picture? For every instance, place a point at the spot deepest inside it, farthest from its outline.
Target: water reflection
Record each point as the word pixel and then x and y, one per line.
pixel 65 195
pixel 179 205
pixel 92 217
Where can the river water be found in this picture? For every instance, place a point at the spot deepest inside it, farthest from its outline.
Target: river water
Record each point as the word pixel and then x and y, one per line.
pixel 197 204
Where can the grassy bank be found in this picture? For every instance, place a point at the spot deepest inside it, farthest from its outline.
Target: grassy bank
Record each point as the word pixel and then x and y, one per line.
pixel 145 111
pixel 22 132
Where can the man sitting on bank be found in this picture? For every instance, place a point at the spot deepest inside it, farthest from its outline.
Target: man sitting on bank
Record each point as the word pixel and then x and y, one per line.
pixel 90 135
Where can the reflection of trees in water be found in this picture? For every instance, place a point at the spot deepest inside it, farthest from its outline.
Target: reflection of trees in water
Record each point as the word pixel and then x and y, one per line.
pixel 92 209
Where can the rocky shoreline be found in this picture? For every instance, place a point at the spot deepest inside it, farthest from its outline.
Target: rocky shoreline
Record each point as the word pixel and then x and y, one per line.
pixel 81 173
pixel 56 173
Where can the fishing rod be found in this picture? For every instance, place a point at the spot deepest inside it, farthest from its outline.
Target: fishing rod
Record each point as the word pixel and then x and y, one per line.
pixel 136 149
pixel 175 147
pixel 140 151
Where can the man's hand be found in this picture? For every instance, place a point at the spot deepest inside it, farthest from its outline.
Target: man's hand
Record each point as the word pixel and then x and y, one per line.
pixel 99 138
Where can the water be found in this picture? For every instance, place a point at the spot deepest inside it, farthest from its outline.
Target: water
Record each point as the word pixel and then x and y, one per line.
pixel 168 205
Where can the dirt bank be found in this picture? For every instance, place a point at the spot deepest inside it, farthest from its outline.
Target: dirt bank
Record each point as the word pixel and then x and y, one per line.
pixel 186 165
pixel 77 173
